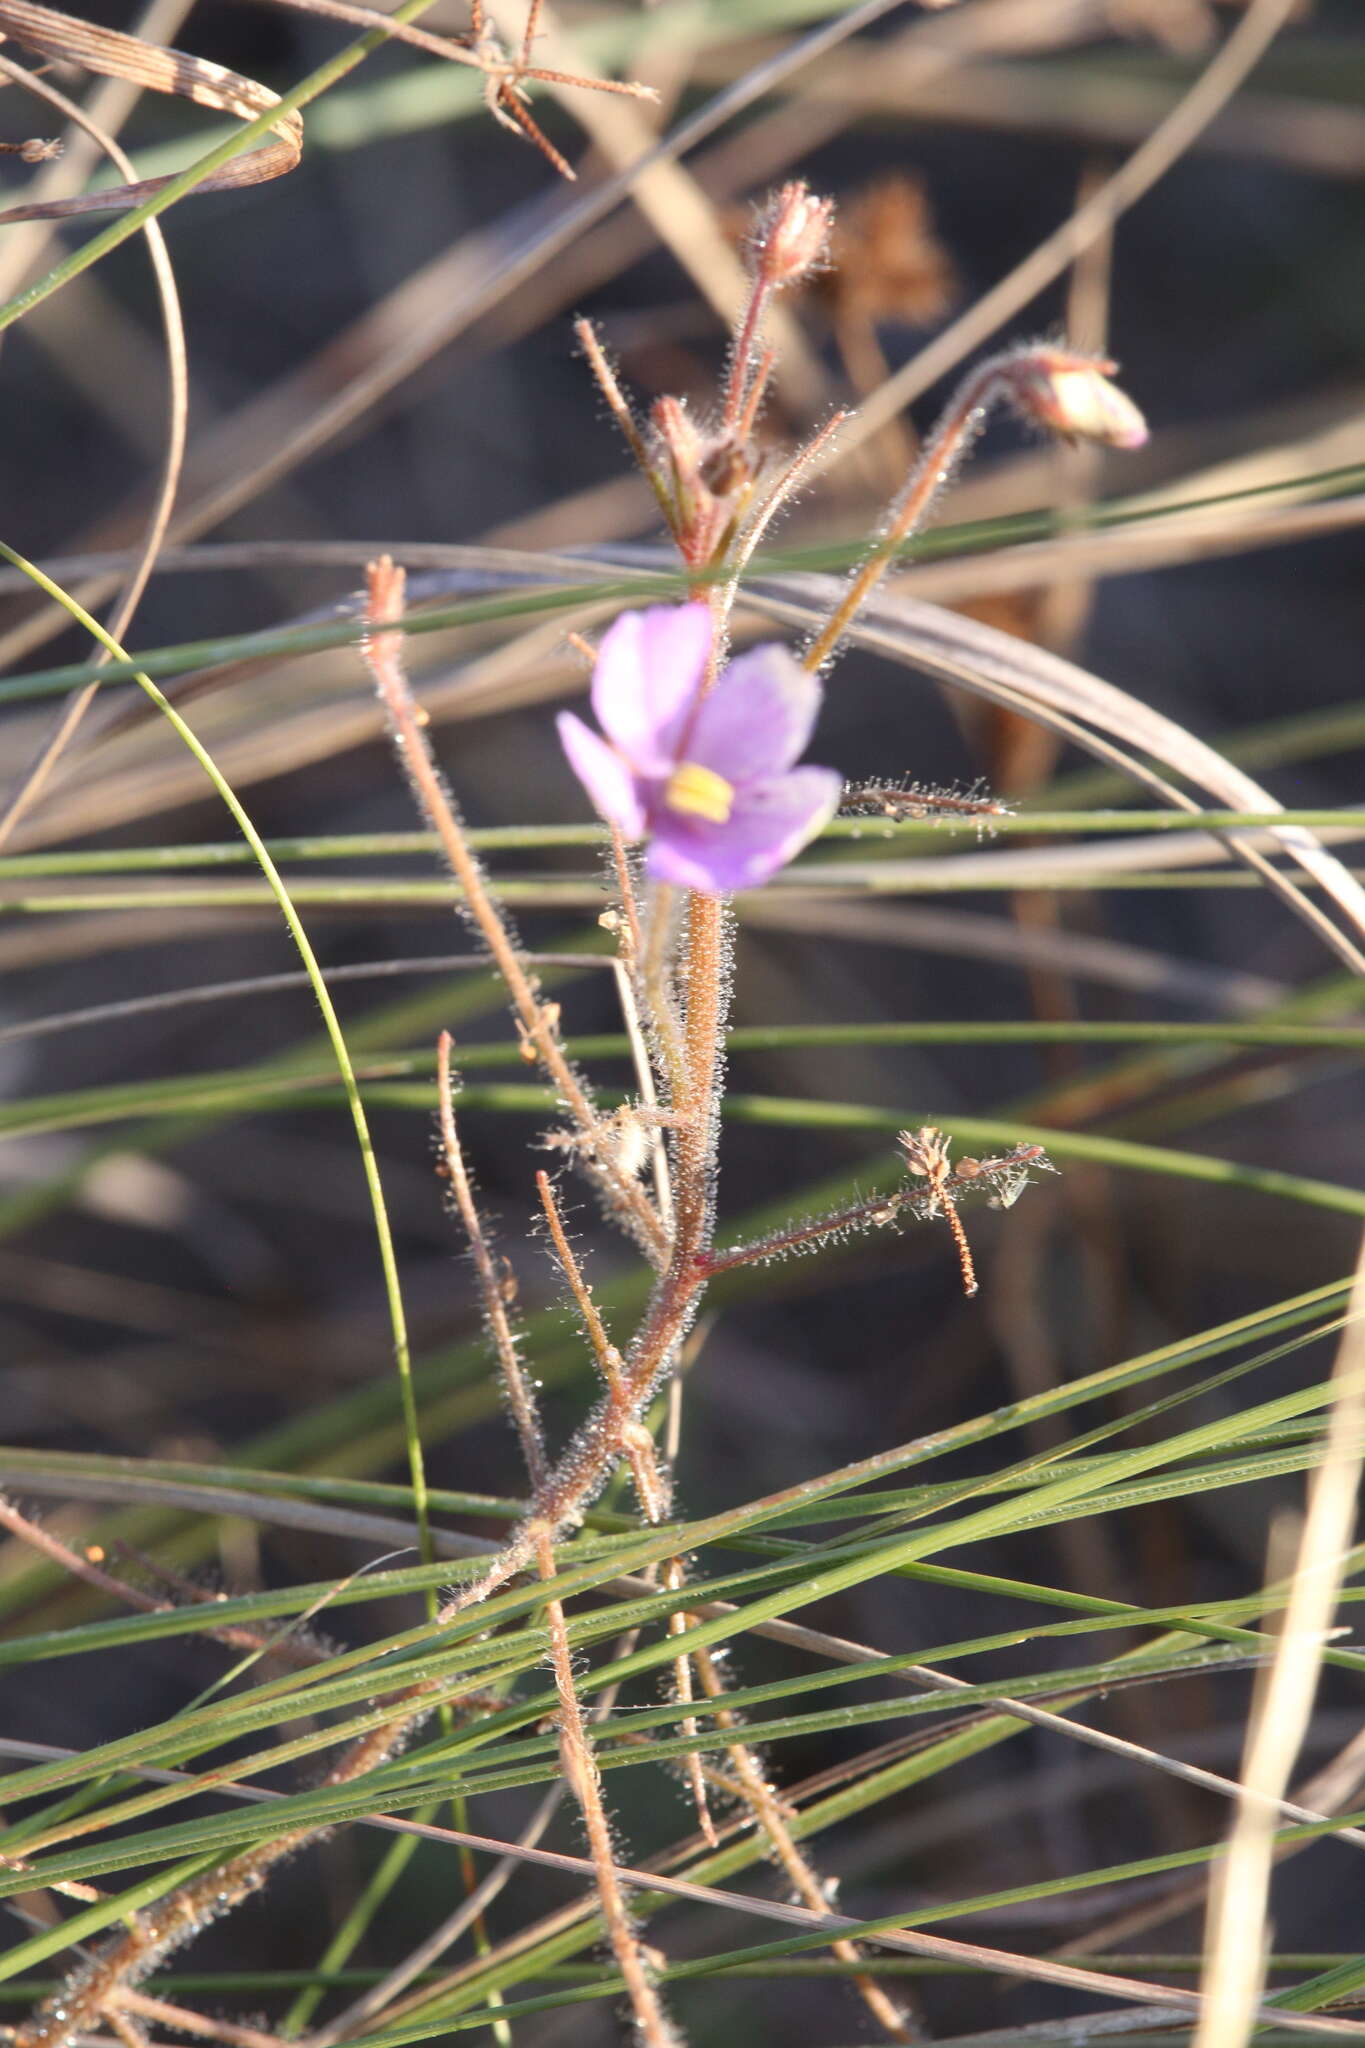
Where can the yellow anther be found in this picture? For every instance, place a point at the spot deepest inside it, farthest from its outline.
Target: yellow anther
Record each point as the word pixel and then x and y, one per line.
pixel 700 793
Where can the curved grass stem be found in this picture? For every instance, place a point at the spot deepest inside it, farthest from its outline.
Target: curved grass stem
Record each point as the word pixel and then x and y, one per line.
pixel 331 1023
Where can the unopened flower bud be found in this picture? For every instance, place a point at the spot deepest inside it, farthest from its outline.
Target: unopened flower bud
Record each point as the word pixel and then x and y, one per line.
pixel 678 432
pixel 791 236
pixel 726 469
pixel 1072 396
pixel 696 474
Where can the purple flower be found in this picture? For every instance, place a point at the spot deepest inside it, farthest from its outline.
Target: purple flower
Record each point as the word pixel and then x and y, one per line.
pixel 708 779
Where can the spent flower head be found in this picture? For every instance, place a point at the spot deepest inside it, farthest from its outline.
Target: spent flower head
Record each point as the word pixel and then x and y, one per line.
pixel 1071 394
pixel 709 779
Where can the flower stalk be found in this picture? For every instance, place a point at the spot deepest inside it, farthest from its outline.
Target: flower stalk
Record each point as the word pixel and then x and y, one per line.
pixel 1057 389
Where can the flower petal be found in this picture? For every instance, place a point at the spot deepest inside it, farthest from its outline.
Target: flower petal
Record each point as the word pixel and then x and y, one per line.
pixel 772 820
pixel 649 669
pixel 602 772
pixel 758 718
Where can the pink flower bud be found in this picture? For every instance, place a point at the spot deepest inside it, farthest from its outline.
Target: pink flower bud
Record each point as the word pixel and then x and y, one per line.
pixel 790 237
pixel 679 436
pixel 1072 396
pixel 697 474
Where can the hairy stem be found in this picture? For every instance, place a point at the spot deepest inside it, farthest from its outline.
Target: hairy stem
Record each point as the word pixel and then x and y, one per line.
pixel 931 475
pixel 624 1195
pixel 580 1772
pixel 768 1812
pixel 520 1399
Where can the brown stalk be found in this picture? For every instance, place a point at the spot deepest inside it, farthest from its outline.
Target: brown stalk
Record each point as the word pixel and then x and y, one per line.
pixel 798 1237
pixel 750 1787
pixel 932 473
pixel 84 1568
pixel 926 1153
pixel 636 1446
pixel 674 1579
pixel 520 1399
pixel 181 2020
pixel 625 882
pixel 758 391
pixel 579 1766
pixel 766 1807
pixel 625 1197
pixel 617 404
pixel 609 1362
pixel 747 366
pixel 580 1771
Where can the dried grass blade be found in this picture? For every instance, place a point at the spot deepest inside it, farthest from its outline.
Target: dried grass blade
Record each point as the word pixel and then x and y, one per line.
pixel 28 790
pixel 69 41
pixel 1236 1931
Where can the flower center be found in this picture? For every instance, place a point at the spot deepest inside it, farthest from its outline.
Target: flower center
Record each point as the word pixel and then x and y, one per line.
pixel 700 793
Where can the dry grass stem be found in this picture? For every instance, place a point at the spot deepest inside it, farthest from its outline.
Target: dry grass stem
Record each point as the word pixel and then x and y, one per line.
pixel 1240 1889
pixel 30 789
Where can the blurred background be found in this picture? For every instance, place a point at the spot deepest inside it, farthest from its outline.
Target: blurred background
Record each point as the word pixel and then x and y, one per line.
pixel 191 1276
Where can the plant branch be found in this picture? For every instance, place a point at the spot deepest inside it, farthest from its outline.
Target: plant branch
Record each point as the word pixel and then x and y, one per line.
pixel 625 1198
pixel 580 1772
pixel 520 1399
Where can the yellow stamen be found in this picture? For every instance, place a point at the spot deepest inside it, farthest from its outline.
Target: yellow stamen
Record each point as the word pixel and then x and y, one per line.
pixel 700 793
